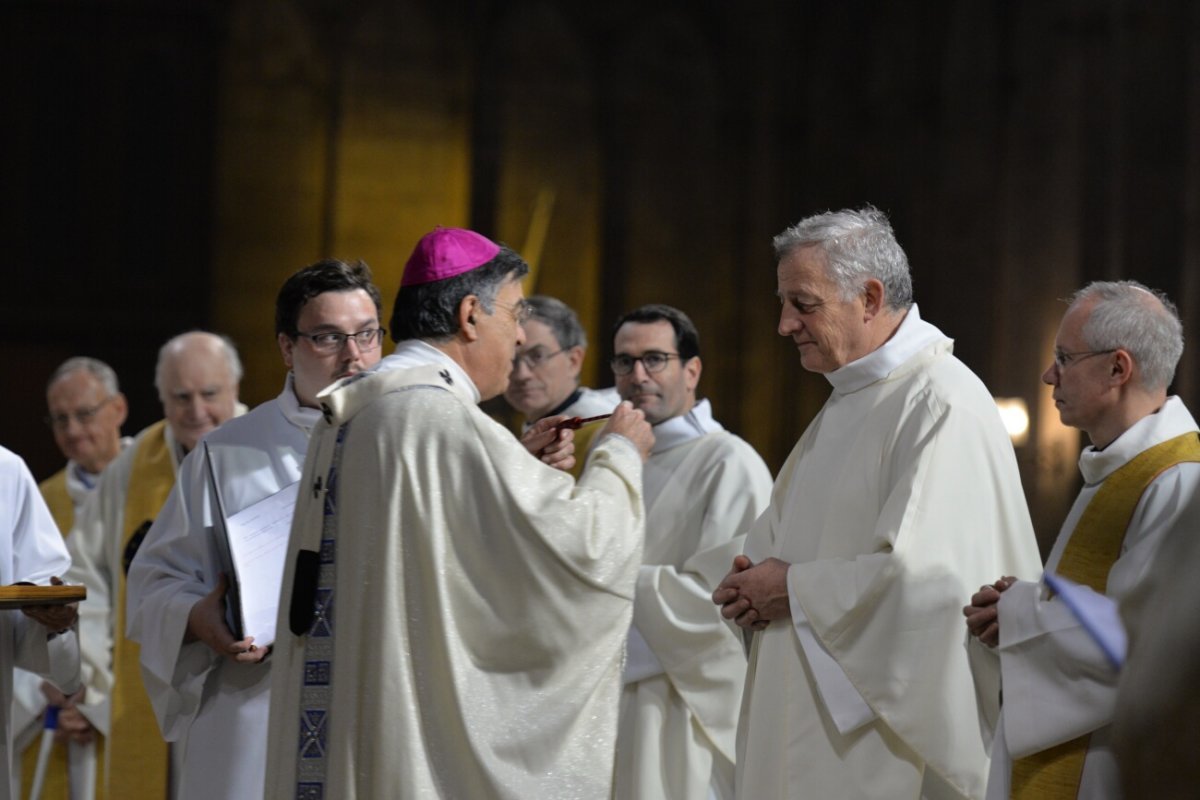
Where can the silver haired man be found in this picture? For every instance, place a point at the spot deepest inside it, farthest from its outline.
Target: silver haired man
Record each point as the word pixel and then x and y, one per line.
pixel 1114 358
pixel 901 495
pixel 85 412
pixel 197 376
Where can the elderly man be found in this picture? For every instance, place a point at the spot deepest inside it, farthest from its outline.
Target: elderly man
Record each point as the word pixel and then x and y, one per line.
pixel 901 493
pixel 545 375
pixel 454 611
pixel 1114 358
pixel 703 488
pixel 211 690
pixel 31 550
pixel 85 412
pixel 197 379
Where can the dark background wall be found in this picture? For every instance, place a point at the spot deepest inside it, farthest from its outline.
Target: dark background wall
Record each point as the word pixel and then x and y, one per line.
pixel 166 165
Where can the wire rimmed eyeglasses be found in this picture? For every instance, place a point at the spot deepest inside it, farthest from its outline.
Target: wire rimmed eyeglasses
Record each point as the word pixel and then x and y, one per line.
pixel 1062 359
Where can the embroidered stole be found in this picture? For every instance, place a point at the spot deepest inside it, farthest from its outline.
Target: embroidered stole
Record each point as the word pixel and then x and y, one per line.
pixel 312 755
pixel 138 759
pixel 1094 546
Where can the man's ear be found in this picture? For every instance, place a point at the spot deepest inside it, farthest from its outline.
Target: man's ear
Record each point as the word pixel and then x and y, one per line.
pixel 575 359
pixel 469 311
pixel 1122 368
pixel 874 296
pixel 691 373
pixel 286 346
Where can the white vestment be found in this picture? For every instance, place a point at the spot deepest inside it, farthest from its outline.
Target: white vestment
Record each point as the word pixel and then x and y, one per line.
pixel 213 709
pixel 685 667
pixel 901 498
pixel 472 605
pixel 1057 683
pixel 31 549
pixel 97 562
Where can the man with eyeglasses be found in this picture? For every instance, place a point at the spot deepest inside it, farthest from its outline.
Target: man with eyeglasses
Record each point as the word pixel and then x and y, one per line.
pixel 1114 359
pixel 545 373
pixel 454 610
pixel 901 494
pixel 197 378
pixel 211 690
pixel 86 410
pixel 703 489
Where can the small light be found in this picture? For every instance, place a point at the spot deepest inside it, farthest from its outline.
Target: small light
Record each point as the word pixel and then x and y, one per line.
pixel 1015 415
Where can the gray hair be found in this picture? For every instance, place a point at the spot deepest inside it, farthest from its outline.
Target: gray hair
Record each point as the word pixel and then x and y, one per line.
pixel 1129 316
pixel 94 366
pixel 228 349
pixel 858 245
pixel 560 318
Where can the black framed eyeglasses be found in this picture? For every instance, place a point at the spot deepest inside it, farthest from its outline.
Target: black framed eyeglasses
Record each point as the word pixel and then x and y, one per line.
pixel 60 422
pixel 653 361
pixel 334 341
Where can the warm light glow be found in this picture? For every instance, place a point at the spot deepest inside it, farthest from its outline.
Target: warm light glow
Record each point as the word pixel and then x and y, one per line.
pixel 1015 415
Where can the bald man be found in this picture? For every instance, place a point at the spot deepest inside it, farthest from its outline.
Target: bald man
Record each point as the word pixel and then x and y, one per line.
pixel 197 378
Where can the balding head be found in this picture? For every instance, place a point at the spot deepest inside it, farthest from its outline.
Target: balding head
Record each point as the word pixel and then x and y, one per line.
pixel 1141 321
pixel 86 412
pixel 197 379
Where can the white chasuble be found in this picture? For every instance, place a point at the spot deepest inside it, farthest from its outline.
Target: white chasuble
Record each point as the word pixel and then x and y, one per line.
pixel 899 501
pixel 31 549
pixel 463 607
pixel 679 707
pixel 215 711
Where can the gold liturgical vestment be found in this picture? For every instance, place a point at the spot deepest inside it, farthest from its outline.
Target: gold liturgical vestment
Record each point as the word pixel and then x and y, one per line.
pixel 1094 547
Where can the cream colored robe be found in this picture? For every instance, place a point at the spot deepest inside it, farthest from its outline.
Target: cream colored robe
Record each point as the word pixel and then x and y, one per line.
pixel 480 605
pixel 1057 683
pixel 97 562
pixel 679 707
pixel 897 503
pixel 213 710
pixel 31 549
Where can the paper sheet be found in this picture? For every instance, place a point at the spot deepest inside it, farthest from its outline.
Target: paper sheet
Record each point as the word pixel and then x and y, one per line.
pixel 258 540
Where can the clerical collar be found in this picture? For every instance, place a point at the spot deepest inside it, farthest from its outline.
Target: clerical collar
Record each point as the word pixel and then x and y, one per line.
pixel 416 353
pixel 300 416
pixel 85 479
pixel 684 428
pixel 565 404
pixel 1172 420
pixel 913 336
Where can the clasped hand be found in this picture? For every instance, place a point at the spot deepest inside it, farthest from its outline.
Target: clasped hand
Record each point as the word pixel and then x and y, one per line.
pixel 983 615
pixel 753 595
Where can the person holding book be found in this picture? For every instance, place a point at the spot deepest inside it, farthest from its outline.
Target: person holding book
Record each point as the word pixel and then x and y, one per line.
pixel 209 688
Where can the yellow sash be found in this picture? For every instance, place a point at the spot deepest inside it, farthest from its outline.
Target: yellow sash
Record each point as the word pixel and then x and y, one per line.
pixel 1094 547
pixel 137 759
pixel 583 444
pixel 58 500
